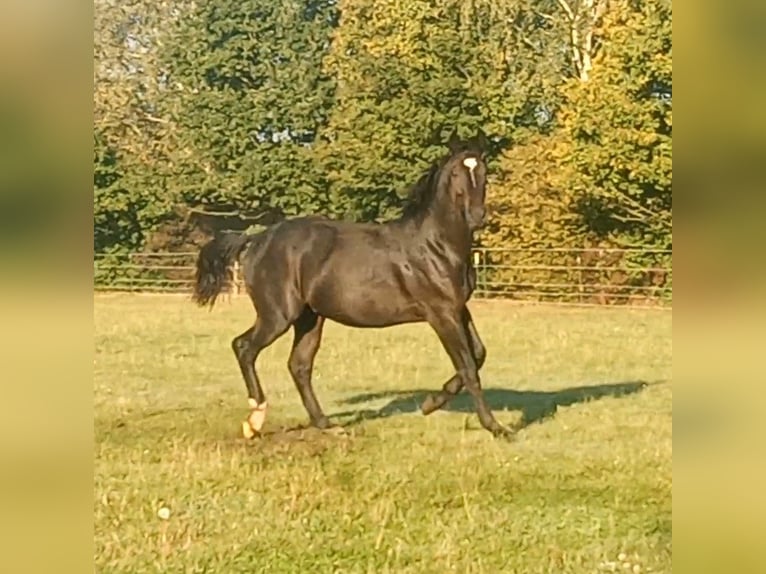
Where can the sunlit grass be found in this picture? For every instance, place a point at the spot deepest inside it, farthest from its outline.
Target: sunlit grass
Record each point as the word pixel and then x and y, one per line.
pixel 588 489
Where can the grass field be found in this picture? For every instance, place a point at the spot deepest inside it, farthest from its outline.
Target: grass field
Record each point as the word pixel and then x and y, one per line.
pixel 585 487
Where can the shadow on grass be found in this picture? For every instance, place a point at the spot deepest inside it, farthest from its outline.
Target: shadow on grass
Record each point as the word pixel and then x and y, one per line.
pixel 535 406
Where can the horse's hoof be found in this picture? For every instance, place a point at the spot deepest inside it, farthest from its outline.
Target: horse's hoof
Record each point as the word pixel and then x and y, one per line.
pixel 504 433
pixel 247 431
pixel 430 404
pixel 257 417
pixel 323 423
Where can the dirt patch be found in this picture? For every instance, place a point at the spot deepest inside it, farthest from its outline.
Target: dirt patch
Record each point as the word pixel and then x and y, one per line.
pixel 293 440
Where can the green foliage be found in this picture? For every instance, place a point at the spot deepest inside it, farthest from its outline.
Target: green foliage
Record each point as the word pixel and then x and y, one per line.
pixel 133 142
pixel 125 201
pixel 619 125
pixel 600 178
pixel 288 107
pixel 407 73
pixel 249 96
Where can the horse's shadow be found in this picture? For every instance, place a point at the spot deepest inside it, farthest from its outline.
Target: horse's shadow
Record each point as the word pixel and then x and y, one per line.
pixel 535 406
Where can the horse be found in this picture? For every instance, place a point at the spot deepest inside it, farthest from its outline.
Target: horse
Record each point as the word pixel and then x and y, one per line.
pixel 416 268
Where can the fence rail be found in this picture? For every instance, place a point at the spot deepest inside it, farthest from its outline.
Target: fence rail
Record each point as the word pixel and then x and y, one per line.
pixel 636 277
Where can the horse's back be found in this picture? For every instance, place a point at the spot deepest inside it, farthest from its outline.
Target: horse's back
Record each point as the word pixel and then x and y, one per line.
pixel 281 247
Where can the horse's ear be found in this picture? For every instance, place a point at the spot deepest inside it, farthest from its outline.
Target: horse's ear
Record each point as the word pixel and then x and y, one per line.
pixel 436 135
pixel 482 142
pixel 454 142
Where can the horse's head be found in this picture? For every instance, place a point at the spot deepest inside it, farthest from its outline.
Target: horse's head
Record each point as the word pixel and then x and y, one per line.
pixel 462 180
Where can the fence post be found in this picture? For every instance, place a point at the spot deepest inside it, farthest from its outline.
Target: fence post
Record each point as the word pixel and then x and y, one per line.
pixel 477 267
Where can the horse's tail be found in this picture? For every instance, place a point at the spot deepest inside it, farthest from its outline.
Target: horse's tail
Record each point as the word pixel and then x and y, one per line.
pixel 212 273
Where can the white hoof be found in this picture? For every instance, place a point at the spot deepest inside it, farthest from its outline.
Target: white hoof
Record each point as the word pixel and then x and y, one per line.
pixel 257 415
pixel 247 430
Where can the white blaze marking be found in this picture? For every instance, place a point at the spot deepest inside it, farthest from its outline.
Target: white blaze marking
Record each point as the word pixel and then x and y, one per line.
pixel 471 163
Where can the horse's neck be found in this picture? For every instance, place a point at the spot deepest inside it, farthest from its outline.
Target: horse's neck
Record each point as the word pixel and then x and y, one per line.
pixel 450 231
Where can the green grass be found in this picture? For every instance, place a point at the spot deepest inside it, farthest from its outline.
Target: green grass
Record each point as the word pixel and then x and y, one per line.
pixel 587 489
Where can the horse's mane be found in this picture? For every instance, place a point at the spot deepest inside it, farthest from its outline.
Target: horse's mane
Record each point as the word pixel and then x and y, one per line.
pixel 422 192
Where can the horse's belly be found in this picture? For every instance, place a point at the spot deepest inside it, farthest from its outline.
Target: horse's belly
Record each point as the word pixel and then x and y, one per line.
pixel 358 298
pixel 372 320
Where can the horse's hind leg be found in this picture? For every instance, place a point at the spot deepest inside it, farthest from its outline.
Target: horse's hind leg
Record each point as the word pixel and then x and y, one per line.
pixel 453 386
pixel 308 335
pixel 247 346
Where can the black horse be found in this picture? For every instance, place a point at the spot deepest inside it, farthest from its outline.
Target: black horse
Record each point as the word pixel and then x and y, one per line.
pixel 416 268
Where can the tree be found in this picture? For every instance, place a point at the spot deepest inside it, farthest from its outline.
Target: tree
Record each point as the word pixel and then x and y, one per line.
pixel 133 140
pixel 273 109
pixel 250 97
pixel 407 73
pixel 600 174
pixel 619 124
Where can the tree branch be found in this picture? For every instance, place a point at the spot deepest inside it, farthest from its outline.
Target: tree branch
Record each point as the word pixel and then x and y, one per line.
pixel 567 10
pixel 586 55
pixel 526 41
pixel 574 38
pixel 640 211
pixel 155 119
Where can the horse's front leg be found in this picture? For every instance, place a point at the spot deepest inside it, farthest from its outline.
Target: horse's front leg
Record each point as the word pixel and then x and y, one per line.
pixel 450 328
pixel 453 386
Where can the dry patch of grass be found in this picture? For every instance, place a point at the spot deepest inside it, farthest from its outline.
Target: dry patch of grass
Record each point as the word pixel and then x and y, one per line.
pixel 586 487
